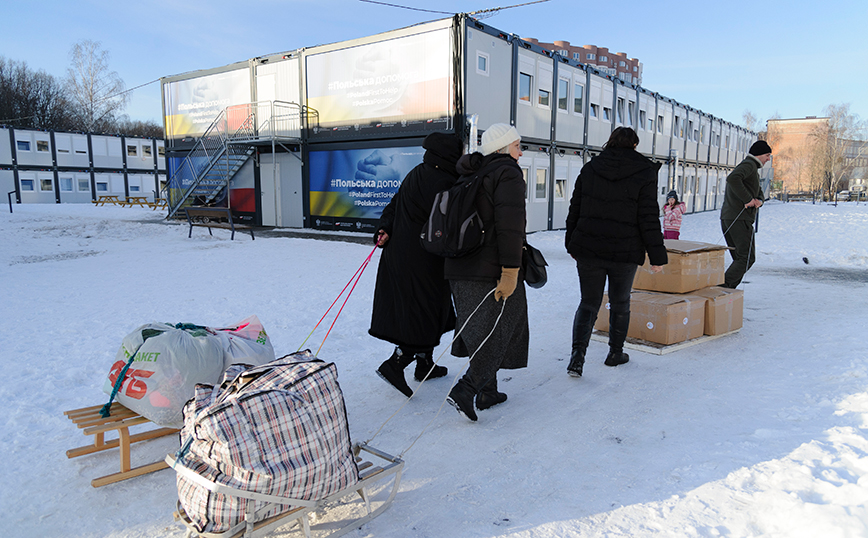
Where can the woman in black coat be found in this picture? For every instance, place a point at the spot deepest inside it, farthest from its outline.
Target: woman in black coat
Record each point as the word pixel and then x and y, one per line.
pixel 613 221
pixel 494 341
pixel 412 302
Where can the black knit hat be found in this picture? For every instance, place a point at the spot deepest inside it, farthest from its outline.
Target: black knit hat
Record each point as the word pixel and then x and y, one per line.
pixel 446 145
pixel 760 147
pixel 672 194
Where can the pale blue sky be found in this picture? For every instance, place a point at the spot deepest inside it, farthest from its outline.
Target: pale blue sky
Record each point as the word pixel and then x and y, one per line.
pixel 790 58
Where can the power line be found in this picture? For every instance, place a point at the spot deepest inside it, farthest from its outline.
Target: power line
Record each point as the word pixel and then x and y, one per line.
pixel 407 7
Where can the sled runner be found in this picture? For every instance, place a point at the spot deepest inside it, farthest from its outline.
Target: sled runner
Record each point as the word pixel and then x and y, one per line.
pixel 120 421
pixel 252 526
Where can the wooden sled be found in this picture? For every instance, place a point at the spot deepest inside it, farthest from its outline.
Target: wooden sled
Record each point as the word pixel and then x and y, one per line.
pixel 121 419
pixel 250 527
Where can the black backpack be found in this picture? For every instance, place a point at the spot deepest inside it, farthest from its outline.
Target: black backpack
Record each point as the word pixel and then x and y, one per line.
pixel 454 227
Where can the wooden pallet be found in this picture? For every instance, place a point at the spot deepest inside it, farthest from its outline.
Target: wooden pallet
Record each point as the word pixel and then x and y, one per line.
pixel 659 349
pixel 120 420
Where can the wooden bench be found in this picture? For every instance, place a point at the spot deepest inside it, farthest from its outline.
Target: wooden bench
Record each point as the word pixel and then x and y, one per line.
pixel 108 199
pixel 136 200
pixel 214 217
pixel 120 420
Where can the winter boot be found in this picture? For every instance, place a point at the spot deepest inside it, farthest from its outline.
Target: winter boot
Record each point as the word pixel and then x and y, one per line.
pixel 488 396
pixel 425 364
pixel 392 371
pixel 619 322
pixel 583 325
pixel 614 358
pixel 461 397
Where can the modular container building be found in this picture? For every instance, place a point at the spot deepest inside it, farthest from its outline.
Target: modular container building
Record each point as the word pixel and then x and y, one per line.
pixel 321 137
pixel 61 167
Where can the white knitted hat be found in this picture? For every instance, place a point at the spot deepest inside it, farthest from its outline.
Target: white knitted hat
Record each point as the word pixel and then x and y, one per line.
pixel 496 137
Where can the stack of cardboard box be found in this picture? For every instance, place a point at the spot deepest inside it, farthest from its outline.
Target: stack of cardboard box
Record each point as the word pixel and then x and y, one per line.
pixel 685 300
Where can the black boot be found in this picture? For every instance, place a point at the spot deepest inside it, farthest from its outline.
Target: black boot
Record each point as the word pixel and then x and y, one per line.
pixel 392 370
pixel 614 358
pixel 461 397
pixel 488 396
pixel 619 322
pixel 425 364
pixel 583 325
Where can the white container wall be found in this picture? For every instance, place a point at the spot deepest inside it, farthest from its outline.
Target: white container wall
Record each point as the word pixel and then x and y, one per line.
pixel 664 129
pixel 33 148
pixel 570 127
pixel 489 72
pixel 645 123
pixel 533 115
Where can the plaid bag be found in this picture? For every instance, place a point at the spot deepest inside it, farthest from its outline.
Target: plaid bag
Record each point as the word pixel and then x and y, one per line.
pixel 279 429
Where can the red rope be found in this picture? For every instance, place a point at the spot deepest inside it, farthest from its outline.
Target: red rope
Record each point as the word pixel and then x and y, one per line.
pixel 353 280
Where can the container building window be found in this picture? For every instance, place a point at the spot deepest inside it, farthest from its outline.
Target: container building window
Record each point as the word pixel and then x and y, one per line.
pixel 620 110
pixel 642 121
pixel 563 94
pixel 595 110
pixel 560 189
pixel 22 145
pixel 42 145
pixel 544 96
pixel 26 184
pixel 101 186
pixel 541 182
pixel 146 151
pixel 65 184
pixel 46 185
pixel 660 124
pixel 607 113
pixel 131 151
pixel 482 63
pixel 83 185
pixel 578 95
pixel 525 83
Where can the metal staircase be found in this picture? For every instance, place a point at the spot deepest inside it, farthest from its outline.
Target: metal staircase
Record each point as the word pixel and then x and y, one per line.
pixel 227 144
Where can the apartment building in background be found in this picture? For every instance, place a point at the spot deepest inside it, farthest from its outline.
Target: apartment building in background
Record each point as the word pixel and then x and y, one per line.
pixel 616 64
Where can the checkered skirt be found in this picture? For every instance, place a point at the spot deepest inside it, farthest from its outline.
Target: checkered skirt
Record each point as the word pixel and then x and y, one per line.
pixel 279 429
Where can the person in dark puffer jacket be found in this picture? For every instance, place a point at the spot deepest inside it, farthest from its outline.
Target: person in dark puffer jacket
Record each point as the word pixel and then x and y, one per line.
pixel 496 266
pixel 613 221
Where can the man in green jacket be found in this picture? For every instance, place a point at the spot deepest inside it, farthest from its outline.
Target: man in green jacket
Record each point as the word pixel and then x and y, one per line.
pixel 742 200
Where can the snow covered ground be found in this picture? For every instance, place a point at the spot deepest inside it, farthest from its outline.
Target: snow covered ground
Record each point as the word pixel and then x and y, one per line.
pixel 761 433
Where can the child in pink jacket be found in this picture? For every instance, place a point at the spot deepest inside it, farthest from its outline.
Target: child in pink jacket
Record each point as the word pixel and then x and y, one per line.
pixel 672 213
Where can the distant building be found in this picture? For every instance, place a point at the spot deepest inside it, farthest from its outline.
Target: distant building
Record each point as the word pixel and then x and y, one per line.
pixel 800 162
pixel 616 64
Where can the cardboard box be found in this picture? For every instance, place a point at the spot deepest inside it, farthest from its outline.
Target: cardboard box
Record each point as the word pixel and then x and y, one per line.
pixel 724 309
pixel 660 317
pixel 692 266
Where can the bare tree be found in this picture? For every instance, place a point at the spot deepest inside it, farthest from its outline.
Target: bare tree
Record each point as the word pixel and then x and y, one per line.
pixel 32 99
pixel 145 129
pixel 750 120
pixel 839 145
pixel 95 91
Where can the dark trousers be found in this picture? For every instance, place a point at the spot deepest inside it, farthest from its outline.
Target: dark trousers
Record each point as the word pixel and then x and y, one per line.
pixel 740 238
pixel 593 275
